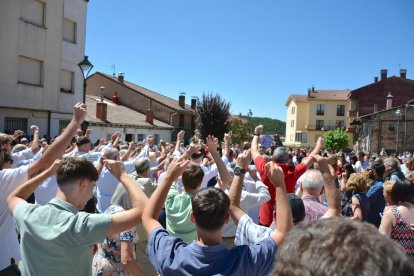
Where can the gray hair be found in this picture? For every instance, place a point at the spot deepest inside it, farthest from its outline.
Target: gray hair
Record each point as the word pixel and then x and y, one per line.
pixel 312 180
pixel 142 164
pixel 393 162
pixel 280 155
pixel 111 153
pixel 121 198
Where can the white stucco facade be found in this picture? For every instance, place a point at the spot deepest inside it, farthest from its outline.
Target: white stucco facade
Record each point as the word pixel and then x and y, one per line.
pixel 35 53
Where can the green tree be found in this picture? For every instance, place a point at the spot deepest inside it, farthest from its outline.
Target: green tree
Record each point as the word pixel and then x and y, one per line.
pixel 212 116
pixel 240 131
pixel 336 139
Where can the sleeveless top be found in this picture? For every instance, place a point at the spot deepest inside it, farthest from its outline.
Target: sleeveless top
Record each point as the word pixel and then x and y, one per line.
pixel 403 234
pixel 364 204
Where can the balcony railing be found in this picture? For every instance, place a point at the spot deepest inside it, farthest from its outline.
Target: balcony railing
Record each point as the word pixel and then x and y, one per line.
pixel 322 128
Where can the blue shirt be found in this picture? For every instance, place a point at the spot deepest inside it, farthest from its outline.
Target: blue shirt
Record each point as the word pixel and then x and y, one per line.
pixel 377 202
pixel 171 256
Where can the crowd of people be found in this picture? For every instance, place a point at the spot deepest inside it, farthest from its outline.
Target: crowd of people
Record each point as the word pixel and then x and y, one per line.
pixel 71 207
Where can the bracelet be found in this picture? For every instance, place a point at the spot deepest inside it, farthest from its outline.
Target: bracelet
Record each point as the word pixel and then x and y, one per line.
pixel 257 134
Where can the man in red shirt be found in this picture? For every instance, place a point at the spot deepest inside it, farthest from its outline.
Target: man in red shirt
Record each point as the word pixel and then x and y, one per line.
pixel 292 173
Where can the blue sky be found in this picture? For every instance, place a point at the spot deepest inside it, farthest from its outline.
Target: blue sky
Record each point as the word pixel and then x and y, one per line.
pixel 253 53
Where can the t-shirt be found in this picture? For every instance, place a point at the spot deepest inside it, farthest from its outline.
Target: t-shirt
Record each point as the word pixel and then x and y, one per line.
pixel 10 179
pixel 178 208
pixel 292 173
pixel 57 239
pixel 171 256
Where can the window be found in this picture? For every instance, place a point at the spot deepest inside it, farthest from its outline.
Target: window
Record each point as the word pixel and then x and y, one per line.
pixel 12 123
pixel 320 109
pixel 391 127
pixel 319 124
pixel 69 31
pixel 141 137
pixel 30 71
pixel 156 139
pixel 33 12
pixel 129 137
pixel 66 81
pixel 292 123
pixel 340 124
pixel 317 137
pixel 63 124
pixel 293 110
pixel 301 137
pixel 340 110
pixel 181 120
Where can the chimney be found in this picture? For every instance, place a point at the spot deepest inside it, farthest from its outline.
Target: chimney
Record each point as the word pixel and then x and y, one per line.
pixel 313 89
pixel 115 98
pixel 149 118
pixel 193 102
pixel 101 111
pixel 403 73
pixel 389 101
pixel 181 100
pixel 376 79
pixel 102 93
pixel 383 74
pixel 121 77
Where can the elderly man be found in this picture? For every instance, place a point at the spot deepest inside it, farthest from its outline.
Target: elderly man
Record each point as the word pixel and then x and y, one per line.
pixel 392 169
pixel 311 188
pixel 292 173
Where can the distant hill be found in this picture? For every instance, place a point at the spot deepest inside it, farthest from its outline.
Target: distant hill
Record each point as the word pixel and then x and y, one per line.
pixel 271 126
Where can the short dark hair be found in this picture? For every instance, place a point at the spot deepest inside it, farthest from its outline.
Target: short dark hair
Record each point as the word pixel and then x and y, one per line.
pixel 378 167
pixel 403 191
pixel 192 177
pixel 297 207
pixel 333 247
pixel 75 168
pixel 82 141
pixel 210 208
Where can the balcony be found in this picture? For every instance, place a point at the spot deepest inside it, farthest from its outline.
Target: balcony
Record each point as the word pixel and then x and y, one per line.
pixel 321 128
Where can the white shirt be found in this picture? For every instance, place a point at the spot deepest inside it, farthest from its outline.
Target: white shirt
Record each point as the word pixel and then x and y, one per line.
pixel 21 155
pixel 45 192
pixel 10 179
pixel 247 201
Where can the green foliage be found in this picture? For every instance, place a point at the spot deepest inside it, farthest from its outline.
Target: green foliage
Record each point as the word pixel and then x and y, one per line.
pixel 212 116
pixel 336 139
pixel 240 131
pixel 271 126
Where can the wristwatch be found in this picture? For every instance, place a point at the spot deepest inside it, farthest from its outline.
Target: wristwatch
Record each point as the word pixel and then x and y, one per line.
pixel 239 171
pixel 257 134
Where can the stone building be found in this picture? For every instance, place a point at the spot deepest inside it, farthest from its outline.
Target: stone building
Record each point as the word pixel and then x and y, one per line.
pixel 391 129
pixel 41 43
pixel 167 110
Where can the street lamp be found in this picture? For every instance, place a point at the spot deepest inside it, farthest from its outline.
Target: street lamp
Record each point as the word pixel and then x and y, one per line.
pixel 86 66
pixel 398 113
pixel 405 124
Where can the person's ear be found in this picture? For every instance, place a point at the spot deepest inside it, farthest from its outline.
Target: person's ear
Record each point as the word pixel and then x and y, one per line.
pixel 227 219
pixel 192 218
pixel 82 184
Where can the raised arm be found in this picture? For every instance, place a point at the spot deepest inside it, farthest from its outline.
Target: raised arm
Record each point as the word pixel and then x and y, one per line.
pixel 35 143
pixel 331 191
pixel 236 187
pixel 180 138
pixel 227 143
pixel 58 147
pixel 284 221
pixel 122 221
pixel 212 144
pixel 24 191
pixel 156 202
pixel 309 161
pixel 255 141
pixel 128 154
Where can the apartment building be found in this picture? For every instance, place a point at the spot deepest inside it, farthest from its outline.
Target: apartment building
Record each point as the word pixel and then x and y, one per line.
pixel 41 43
pixel 310 116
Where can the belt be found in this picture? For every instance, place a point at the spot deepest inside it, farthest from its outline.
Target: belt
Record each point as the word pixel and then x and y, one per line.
pixel 228 238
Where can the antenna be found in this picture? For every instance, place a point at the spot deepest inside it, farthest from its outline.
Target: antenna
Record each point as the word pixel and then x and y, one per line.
pixel 113 69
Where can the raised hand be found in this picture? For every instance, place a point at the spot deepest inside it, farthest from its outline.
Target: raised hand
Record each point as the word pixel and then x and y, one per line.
pixel 55 166
pixel 88 132
pixel 180 135
pixel 79 112
pixel 212 144
pixel 323 162
pixel 243 159
pixel 176 168
pixel 275 174
pixel 227 138
pixel 258 129
pixel 116 168
pixel 34 128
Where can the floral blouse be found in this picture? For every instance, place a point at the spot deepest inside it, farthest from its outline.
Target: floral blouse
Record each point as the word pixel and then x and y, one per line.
pixel 107 260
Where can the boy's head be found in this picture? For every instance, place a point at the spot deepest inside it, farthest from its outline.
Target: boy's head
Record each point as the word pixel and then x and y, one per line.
pixel 192 177
pixel 76 177
pixel 210 209
pixel 83 143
